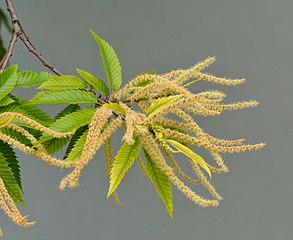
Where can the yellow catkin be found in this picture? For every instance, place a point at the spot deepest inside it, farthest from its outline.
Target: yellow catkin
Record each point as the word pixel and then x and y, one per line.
pixel 152 90
pixel 166 146
pixel 131 118
pixel 37 153
pixel 196 107
pixel 211 95
pixel 195 128
pixel 234 106
pixel 197 68
pixel 35 124
pixel 207 101
pixel 218 80
pixel 174 73
pixel 12 212
pixel 88 153
pixel 108 163
pixel 122 92
pixel 99 119
pixel 212 147
pixel 219 160
pixel 151 148
pixel 178 169
pixel 204 180
pixel 26 134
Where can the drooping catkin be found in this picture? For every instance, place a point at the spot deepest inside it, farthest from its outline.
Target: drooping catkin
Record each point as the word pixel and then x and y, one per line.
pixel 178 169
pixel 130 118
pixel 37 153
pixel 10 208
pixel 195 69
pixel 96 141
pixel 204 180
pixel 37 125
pixel 151 148
pixel 218 80
pixel 28 135
pixel 195 128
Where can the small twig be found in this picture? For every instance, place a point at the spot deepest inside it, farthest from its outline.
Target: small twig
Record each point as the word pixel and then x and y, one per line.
pixel 9 51
pixel 18 30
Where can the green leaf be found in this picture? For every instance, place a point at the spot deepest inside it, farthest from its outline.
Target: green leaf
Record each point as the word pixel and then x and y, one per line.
pixel 161 103
pixel 161 182
pixel 10 173
pixel 64 82
pixel 77 146
pixel 115 106
pixel 67 110
pixel 123 161
pixel 28 79
pixel 64 97
pixel 111 62
pixel 16 135
pixel 70 122
pixel 6 101
pixel 191 154
pixel 97 83
pixel 32 110
pixel 55 144
pixel 73 120
pixel 8 78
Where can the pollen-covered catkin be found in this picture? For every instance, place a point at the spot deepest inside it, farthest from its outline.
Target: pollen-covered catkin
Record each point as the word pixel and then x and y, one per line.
pixel 37 153
pixel 35 124
pixel 151 148
pixel 96 141
pixel 12 210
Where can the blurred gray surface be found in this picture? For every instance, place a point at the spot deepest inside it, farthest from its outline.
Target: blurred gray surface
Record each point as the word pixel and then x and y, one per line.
pixel 251 38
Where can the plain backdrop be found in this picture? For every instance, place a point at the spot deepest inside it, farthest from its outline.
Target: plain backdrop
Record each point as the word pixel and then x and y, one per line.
pixel 251 39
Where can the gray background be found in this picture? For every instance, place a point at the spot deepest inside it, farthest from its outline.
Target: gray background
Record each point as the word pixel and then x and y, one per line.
pixel 251 38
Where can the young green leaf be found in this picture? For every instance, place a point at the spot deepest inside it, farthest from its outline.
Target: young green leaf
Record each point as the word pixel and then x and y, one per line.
pixel 161 182
pixel 10 173
pixel 65 82
pixel 161 103
pixel 111 62
pixel 8 78
pixel 116 107
pixel 191 154
pixel 28 79
pixel 97 83
pixel 123 161
pixel 64 97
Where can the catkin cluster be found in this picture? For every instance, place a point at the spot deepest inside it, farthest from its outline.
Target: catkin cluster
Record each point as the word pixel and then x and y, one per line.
pixel 146 106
